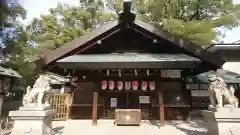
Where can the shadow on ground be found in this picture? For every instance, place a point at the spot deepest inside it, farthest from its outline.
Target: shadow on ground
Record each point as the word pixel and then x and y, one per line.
pixel 58 129
pixel 193 127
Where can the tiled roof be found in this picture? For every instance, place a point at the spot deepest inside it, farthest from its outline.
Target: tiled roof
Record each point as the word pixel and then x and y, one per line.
pixel 228 76
pixel 9 72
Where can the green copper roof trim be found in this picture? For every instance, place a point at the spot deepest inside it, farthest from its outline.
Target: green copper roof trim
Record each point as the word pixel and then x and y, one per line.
pixel 228 76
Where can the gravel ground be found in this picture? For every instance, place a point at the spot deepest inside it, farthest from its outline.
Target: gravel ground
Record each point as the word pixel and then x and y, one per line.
pixel 106 127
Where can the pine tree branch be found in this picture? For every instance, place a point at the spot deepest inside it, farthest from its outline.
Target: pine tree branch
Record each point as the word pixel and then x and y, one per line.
pixel 165 10
pixel 183 11
pixel 204 16
pixel 196 14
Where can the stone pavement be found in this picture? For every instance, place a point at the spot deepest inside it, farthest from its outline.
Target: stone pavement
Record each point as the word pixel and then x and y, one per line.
pixel 106 127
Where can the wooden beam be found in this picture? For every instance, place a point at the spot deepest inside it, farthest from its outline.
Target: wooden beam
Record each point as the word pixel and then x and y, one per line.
pixel 95 107
pixel 161 106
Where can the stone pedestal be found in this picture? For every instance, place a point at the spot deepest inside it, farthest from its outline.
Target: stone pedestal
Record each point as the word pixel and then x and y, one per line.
pixel 32 120
pixel 222 121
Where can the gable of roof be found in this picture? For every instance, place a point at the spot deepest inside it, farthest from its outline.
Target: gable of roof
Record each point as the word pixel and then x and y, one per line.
pixel 67 48
pixel 189 46
pixel 86 41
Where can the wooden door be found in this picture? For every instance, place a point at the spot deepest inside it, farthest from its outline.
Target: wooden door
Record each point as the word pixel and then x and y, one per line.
pixel 132 100
pixel 112 101
pixel 145 104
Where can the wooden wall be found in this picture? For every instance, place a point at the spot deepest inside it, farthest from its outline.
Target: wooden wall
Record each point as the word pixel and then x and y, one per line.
pixel 82 99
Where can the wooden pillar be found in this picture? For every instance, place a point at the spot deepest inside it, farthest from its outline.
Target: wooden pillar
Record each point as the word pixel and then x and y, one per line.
pixel 70 102
pixel 95 107
pixel 161 106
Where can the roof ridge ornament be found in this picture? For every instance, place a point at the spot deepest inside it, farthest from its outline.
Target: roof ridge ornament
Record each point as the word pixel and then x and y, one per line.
pixel 127 6
pixel 127 15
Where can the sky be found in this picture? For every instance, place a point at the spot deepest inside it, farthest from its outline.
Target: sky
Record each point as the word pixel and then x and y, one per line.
pixel 37 7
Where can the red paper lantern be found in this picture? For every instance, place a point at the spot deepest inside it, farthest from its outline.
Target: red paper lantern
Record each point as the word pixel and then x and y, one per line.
pixel 120 85
pixel 135 85
pixel 144 85
pixel 111 85
pixel 152 85
pixel 103 85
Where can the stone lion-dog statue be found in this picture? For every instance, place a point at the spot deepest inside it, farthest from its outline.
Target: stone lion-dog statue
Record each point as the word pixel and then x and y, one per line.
pixel 40 93
pixel 218 89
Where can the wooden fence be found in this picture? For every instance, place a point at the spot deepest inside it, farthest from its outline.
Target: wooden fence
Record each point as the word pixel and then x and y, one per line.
pixel 60 103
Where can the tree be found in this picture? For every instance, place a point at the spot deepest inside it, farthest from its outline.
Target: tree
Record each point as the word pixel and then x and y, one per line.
pixel 20 57
pixel 9 12
pixel 14 41
pixel 65 23
pixel 195 20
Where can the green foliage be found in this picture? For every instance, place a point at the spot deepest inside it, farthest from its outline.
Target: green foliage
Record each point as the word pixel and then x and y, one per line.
pixel 8 14
pixel 65 23
pixel 19 58
pixel 16 52
pixel 194 20
pixel 116 5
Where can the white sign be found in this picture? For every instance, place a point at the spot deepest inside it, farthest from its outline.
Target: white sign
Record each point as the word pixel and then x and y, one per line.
pixel 113 102
pixel 171 73
pixel 199 93
pixel 144 100
pixel 192 86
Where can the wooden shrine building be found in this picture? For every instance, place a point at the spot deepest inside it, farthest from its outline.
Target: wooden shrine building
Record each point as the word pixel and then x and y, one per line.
pixel 128 64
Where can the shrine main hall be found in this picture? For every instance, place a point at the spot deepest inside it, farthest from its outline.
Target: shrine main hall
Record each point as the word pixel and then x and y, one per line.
pixel 128 70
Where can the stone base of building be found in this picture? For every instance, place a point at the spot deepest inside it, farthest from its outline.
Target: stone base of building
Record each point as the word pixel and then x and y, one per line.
pixel 222 121
pixel 32 120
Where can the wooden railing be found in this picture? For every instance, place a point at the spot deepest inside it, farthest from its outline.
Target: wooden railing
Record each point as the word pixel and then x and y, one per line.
pixel 60 103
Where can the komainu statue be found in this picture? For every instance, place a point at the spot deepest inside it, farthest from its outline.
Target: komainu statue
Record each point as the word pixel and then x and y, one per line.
pixel 40 93
pixel 218 89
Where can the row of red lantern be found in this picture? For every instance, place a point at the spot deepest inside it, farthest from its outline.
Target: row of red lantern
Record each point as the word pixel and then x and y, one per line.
pixel 127 85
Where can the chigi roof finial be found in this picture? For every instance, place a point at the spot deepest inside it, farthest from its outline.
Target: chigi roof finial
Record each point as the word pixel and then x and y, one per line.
pixel 126 15
pixel 127 6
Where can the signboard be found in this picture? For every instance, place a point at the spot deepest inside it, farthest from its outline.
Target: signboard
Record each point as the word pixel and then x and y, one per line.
pixel 171 73
pixel 113 102
pixel 199 93
pixel 204 86
pixel 144 99
pixel 192 86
